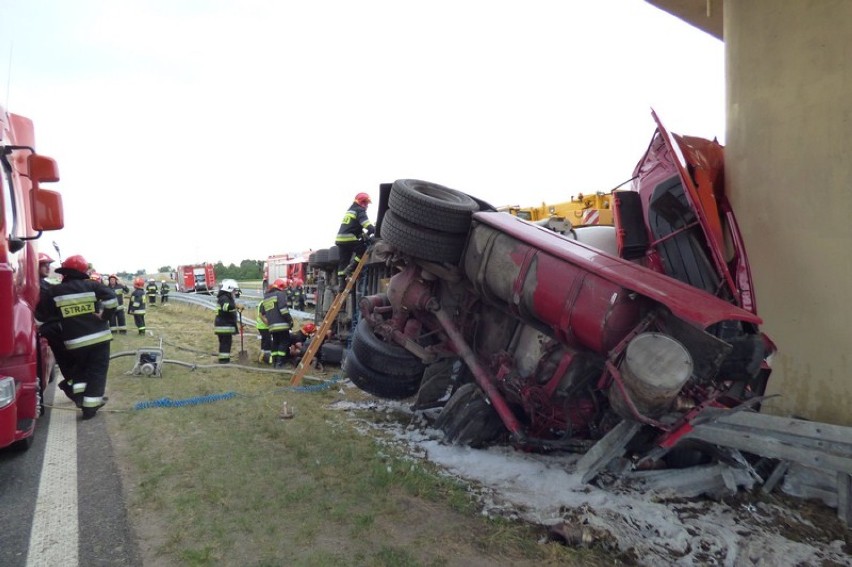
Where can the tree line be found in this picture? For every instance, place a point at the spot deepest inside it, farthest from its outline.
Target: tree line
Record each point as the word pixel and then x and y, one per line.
pixel 247 270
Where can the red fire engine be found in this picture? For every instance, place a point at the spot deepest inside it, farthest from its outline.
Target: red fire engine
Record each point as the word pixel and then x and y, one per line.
pixel 196 277
pixel 25 361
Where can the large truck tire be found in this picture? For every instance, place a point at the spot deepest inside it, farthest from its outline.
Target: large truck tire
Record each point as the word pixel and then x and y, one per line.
pixel 468 418
pixel 321 257
pixel 377 354
pixel 380 384
pixel 421 242
pixel 431 205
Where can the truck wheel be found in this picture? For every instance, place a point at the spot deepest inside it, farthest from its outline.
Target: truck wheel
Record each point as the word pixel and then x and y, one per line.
pixel 431 205
pixel 375 353
pixel 321 257
pixel 422 242
pixel 468 418
pixel 378 383
pixel 333 256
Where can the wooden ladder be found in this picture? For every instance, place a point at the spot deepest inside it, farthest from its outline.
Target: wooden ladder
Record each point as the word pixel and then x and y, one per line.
pixel 327 322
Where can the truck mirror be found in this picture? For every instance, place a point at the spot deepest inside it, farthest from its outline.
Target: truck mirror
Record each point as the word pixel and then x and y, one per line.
pixel 47 209
pixel 42 169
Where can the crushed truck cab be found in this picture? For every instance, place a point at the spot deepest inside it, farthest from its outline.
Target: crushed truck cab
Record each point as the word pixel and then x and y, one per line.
pixel 26 363
pixel 522 334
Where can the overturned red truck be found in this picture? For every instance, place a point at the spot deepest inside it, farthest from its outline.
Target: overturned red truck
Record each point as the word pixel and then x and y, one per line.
pixel 521 333
pixel 26 363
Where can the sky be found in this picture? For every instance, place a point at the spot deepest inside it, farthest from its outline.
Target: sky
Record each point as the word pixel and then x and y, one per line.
pixel 221 130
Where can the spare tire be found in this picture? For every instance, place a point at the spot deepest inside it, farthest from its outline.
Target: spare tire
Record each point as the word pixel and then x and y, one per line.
pixel 431 205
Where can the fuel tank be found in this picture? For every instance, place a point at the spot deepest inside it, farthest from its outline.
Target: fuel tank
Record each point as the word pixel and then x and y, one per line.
pixel 580 307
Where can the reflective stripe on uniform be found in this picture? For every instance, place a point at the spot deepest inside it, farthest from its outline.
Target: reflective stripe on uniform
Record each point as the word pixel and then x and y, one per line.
pixel 92 401
pixel 88 340
pixel 225 330
pixel 74 304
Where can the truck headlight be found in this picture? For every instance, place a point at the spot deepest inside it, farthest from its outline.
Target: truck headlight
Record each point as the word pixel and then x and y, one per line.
pixel 7 391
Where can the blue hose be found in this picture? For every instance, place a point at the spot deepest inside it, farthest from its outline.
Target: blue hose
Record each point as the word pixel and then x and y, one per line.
pixel 197 400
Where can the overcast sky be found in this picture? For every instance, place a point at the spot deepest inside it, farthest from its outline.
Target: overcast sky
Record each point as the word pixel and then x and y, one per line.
pixel 208 130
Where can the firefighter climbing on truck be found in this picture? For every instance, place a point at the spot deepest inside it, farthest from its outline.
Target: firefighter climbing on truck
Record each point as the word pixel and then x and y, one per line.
pixel 352 236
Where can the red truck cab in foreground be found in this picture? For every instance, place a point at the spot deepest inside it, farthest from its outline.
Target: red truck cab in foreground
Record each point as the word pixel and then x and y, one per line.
pixel 25 211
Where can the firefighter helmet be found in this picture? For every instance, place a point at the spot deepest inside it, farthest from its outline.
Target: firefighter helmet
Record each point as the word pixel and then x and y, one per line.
pixel 363 199
pixel 139 283
pixel 298 282
pixel 279 284
pixel 75 263
pixel 229 285
pixel 44 258
pixel 113 277
pixel 309 328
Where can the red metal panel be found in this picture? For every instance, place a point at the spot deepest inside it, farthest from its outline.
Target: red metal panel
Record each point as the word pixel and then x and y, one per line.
pixel 686 302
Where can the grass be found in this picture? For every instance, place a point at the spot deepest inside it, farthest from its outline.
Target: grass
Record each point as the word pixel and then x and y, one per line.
pixel 229 483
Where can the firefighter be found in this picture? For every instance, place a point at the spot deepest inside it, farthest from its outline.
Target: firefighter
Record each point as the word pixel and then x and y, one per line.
pixel 77 310
pixel 225 323
pixel 276 314
pixel 352 236
pixel 152 291
pixel 301 340
pixel 118 322
pixel 54 341
pixel 265 336
pixel 297 294
pixel 164 291
pixel 44 262
pixel 137 305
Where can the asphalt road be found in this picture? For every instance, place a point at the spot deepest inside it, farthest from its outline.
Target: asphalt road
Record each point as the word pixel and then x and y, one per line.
pixel 61 501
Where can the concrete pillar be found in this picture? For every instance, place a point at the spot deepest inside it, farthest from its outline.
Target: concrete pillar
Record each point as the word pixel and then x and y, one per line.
pixel 789 174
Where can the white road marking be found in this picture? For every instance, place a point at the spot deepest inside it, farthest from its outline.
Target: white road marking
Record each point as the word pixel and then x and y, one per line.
pixel 54 537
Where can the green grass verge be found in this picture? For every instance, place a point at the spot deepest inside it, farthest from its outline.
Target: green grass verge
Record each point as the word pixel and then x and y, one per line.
pixel 230 483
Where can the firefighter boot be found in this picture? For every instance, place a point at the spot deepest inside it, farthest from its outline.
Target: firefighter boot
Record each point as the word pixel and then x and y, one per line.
pixel 353 263
pixel 90 412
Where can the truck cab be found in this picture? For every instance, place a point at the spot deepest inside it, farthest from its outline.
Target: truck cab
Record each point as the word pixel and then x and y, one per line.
pixel 27 211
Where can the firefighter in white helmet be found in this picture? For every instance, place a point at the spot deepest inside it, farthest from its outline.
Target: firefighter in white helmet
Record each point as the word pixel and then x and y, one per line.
pixel 225 323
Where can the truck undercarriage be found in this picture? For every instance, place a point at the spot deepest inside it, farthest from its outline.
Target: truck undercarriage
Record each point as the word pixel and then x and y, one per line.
pixel 524 334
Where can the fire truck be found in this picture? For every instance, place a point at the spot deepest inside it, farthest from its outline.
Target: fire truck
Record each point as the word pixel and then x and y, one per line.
pixel 292 266
pixel 26 363
pixel 196 278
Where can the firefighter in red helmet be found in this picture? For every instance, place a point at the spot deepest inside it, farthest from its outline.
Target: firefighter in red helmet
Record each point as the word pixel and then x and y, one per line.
pixel 117 323
pixel 275 312
pixel 136 305
pixel 77 311
pixel 351 240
